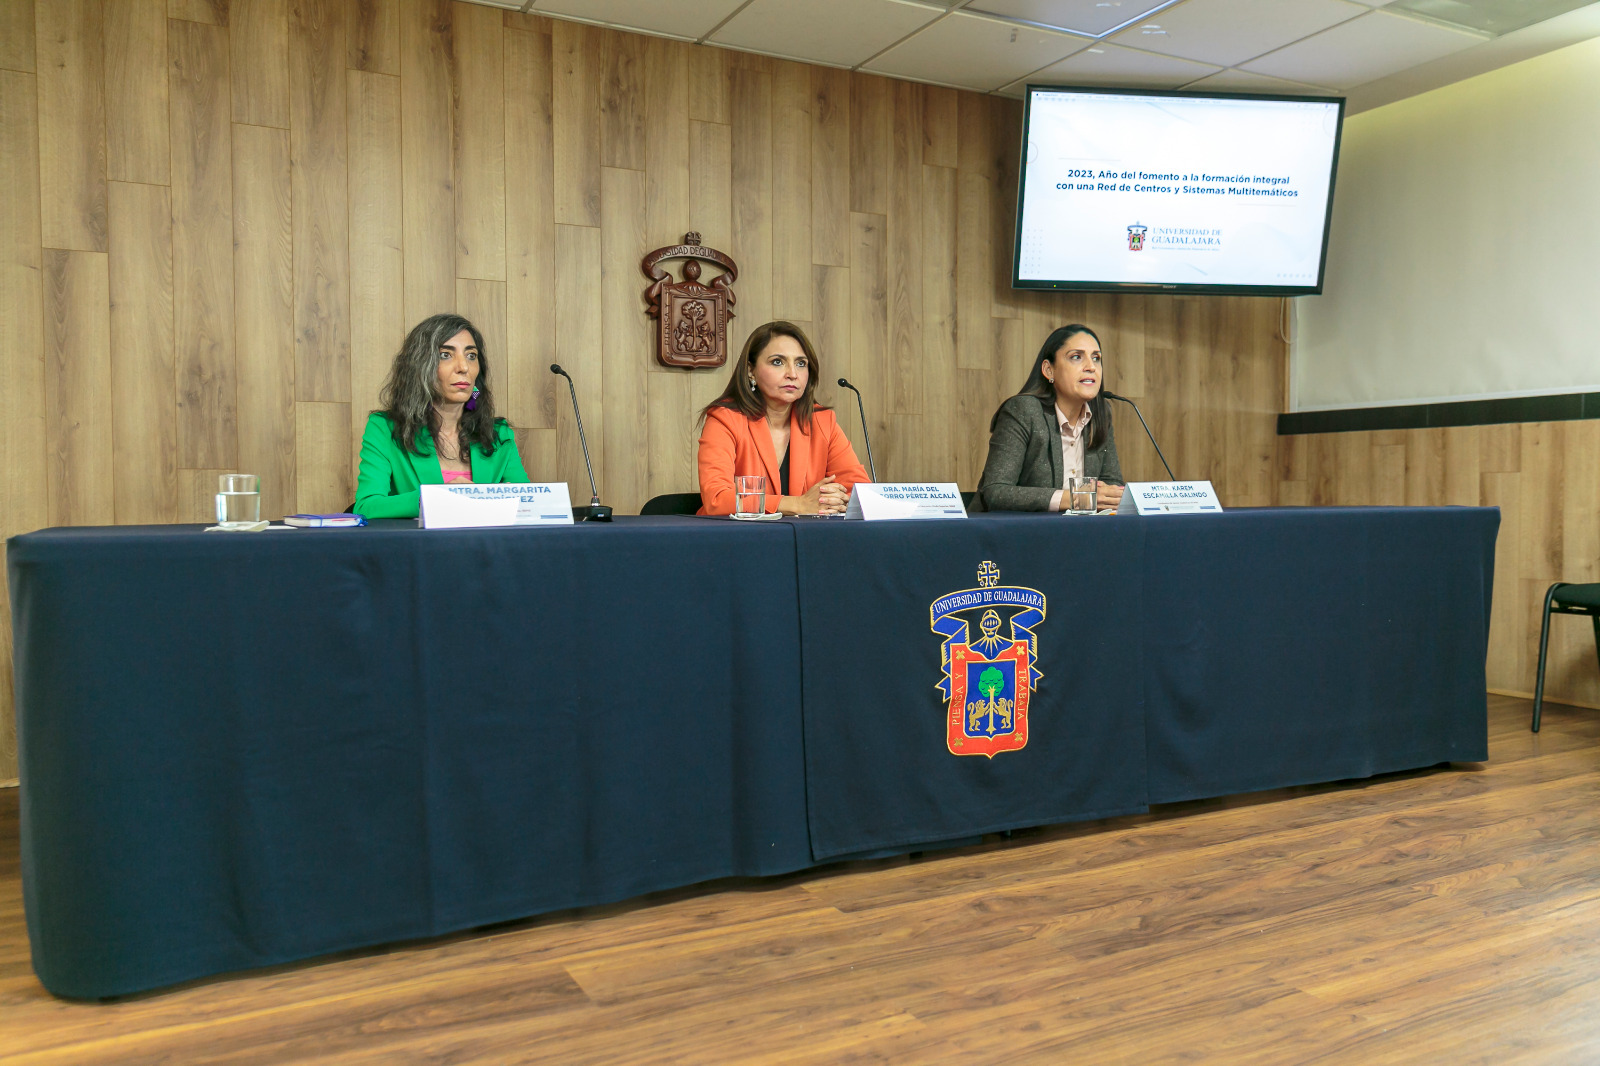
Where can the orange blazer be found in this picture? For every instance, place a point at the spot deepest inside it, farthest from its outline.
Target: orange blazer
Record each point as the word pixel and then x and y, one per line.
pixel 731 444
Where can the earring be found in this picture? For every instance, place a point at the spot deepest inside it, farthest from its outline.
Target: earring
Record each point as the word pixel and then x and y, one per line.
pixel 472 402
pixel 752 384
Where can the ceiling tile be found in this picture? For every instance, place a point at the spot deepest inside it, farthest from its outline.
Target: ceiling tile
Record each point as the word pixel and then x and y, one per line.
pixel 839 32
pixel 1242 81
pixel 1491 16
pixel 1226 32
pixel 680 18
pixel 1107 64
pixel 1093 17
pixel 974 52
pixel 1355 52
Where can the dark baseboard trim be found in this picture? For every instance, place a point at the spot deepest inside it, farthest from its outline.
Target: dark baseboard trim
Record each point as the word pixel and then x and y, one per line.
pixel 1563 408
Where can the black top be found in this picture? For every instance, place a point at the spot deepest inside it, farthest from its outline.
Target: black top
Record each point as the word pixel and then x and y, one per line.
pixel 783 475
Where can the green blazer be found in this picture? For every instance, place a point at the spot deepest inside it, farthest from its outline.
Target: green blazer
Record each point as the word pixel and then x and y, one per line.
pixel 1024 466
pixel 389 484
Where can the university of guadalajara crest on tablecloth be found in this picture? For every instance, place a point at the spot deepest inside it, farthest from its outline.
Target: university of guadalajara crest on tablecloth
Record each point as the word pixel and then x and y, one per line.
pixel 988 677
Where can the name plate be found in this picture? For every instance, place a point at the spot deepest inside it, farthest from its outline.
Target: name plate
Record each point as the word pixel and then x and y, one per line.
pixel 880 501
pixel 1169 497
pixel 470 506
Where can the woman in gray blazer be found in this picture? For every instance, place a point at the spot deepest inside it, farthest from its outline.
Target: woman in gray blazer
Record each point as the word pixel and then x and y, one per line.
pixel 1028 465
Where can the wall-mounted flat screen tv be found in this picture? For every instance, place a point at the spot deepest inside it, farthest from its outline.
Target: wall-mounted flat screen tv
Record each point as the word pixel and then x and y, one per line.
pixel 1132 190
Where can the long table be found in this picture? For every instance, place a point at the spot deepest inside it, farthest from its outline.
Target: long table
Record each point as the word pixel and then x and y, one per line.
pixel 239 750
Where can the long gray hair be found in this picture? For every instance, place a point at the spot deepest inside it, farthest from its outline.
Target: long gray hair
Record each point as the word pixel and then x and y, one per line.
pixel 412 388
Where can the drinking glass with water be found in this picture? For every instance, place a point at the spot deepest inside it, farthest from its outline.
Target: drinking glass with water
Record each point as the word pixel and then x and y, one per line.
pixel 238 500
pixel 750 494
pixel 1083 491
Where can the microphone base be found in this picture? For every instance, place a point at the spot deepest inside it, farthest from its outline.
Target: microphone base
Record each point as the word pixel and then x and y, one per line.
pixel 598 512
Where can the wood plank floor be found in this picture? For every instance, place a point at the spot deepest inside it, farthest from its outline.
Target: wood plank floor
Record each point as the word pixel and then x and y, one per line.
pixel 1439 916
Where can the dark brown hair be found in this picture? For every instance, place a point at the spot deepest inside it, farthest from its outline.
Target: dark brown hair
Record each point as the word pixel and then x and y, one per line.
pixel 739 396
pixel 412 388
pixel 1040 386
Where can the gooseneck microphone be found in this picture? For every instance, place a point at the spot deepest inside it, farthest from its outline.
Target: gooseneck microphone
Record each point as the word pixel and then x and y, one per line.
pixel 598 512
pixel 871 469
pixel 1108 394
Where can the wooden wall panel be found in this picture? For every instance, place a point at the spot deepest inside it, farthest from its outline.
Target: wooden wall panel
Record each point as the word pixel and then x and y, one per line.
pixel 527 389
pixel 144 407
pixel 666 147
pixel 427 170
pixel 708 85
pixel 377 267
pixel 259 35
pixel 202 245
pixel 830 167
pixel 751 189
pixel 324 482
pixel 372 36
pixel 575 122
pixel 903 356
pixel 72 124
pixel 623 103
pixel 318 117
pixel 711 187
pixel 77 387
pixel 22 415
pixel 579 307
pixel 137 148
pixel 16 35
pixel 625 339
pixel 791 192
pixel 22 422
pixel 209 12
pixel 263 270
pixel 869 143
pixel 480 155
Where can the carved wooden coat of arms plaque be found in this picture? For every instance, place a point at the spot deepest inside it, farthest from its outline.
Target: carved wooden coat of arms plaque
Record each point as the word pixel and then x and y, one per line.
pixel 693 317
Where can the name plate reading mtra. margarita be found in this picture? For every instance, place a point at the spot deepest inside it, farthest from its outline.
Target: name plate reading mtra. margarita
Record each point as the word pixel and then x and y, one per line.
pixel 1169 497
pixel 468 506
pixel 877 501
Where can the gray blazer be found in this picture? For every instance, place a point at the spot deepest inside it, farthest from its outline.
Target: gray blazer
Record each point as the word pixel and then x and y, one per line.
pixel 1024 466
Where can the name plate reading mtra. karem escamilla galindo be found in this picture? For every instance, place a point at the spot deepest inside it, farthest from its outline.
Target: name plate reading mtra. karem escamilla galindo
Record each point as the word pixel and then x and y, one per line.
pixel 469 506
pixel 1169 497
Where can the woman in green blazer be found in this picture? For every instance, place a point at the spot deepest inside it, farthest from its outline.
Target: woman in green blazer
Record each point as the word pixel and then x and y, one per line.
pixel 1028 466
pixel 437 426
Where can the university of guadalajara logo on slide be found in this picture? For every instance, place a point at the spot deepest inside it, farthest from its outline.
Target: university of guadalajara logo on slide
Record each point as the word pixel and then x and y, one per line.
pixel 1136 234
pixel 987 680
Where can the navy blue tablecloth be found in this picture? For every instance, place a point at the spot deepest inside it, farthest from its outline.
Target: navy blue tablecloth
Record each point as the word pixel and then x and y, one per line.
pixel 881 766
pixel 1294 645
pixel 243 749
pixel 240 749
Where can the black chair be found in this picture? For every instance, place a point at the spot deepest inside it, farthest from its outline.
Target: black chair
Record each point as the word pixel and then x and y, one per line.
pixel 672 503
pixel 1564 598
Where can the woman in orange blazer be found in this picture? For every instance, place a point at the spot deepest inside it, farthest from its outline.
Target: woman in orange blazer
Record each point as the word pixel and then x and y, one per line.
pixel 767 422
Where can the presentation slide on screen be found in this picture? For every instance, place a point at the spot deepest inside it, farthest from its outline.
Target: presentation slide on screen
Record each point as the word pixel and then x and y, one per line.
pixel 1164 190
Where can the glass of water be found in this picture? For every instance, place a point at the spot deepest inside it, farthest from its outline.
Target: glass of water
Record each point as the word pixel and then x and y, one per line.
pixel 749 494
pixel 238 500
pixel 1083 491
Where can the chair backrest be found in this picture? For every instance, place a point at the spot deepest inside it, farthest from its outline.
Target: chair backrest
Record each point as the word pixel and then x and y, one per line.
pixel 672 503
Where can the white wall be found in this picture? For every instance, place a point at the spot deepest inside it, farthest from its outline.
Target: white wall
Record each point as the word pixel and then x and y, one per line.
pixel 1464 257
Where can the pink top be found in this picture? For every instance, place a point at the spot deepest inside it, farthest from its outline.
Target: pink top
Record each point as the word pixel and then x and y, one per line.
pixel 457 477
pixel 1072 443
